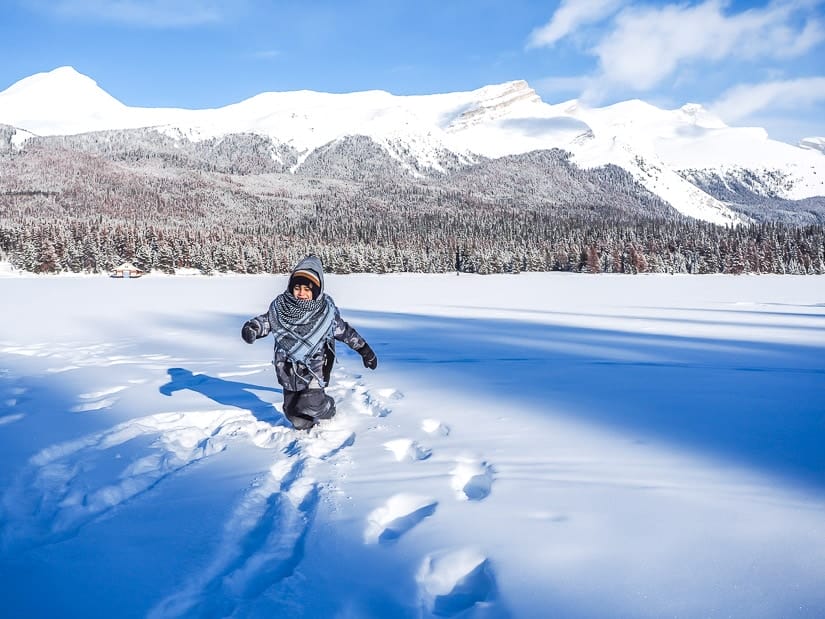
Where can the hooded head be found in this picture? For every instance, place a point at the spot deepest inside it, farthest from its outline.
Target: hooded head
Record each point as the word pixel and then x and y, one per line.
pixel 308 272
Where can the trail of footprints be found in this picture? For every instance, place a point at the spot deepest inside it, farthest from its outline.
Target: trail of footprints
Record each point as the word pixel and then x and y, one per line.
pixel 449 581
pixel 61 490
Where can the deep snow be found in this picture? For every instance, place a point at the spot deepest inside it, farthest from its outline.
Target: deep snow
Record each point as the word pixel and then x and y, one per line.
pixel 540 445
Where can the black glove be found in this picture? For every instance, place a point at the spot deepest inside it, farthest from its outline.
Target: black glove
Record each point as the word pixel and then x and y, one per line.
pixel 249 331
pixel 368 356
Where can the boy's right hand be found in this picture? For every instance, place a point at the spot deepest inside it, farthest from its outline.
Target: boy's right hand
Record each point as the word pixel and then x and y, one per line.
pixel 249 331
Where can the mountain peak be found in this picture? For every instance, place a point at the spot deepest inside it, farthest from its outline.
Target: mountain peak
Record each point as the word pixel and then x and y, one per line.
pixel 496 94
pixel 63 79
pixel 61 98
pixel 494 102
pixel 66 71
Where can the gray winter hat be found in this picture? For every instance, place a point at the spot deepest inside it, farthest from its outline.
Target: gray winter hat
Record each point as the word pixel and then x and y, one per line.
pixel 308 271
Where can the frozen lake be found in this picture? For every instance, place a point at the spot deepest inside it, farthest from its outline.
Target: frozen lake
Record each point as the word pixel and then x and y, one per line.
pixel 539 445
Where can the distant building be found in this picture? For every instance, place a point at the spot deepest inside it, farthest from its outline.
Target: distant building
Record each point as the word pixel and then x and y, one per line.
pixel 126 270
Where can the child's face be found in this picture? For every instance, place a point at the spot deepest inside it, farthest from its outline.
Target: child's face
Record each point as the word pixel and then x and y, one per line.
pixel 302 292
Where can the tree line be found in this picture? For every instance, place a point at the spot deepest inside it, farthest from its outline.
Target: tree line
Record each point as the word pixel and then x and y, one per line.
pixel 64 210
pixel 519 242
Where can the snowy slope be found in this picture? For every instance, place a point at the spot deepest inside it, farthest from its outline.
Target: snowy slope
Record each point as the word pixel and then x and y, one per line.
pixel 493 121
pixel 530 446
pixel 693 138
pixel 12 138
pixel 817 143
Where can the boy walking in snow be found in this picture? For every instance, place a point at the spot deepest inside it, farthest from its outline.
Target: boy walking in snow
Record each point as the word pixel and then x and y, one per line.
pixel 305 323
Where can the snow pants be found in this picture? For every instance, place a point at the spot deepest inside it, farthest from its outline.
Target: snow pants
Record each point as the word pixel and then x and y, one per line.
pixel 306 408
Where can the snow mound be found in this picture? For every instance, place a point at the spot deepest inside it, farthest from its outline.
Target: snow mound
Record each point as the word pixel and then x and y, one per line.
pixel 397 516
pixel 433 426
pixel 453 581
pixel 472 479
pixel 407 449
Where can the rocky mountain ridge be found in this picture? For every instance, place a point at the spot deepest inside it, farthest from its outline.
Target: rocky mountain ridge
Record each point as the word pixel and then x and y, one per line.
pixel 682 156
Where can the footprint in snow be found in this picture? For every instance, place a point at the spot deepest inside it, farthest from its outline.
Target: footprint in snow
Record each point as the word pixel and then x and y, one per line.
pixel 390 394
pixel 472 479
pixel 375 405
pixel 453 581
pixel 324 442
pixel 433 426
pixel 398 515
pixel 407 449
pixel 350 392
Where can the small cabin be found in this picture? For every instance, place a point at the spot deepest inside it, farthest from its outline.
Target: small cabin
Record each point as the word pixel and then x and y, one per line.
pixel 126 270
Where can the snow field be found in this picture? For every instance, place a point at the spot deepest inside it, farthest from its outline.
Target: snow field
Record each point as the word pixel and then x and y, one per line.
pixel 68 486
pixel 529 446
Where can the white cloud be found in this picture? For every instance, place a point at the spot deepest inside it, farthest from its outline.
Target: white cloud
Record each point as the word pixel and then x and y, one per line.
pixel 812 34
pixel 151 13
pixel 649 44
pixel 746 100
pixel 638 46
pixel 570 15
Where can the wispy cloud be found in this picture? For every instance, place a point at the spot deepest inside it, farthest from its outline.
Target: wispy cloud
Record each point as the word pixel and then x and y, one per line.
pixel 746 100
pixel 570 15
pixel 639 46
pixel 146 13
pixel 649 44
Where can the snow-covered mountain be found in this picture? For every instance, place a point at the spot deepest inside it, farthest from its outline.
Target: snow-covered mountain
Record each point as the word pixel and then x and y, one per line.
pixel 676 154
pixel 813 143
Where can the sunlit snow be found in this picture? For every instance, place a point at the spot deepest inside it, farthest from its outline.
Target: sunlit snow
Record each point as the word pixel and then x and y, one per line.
pixel 531 446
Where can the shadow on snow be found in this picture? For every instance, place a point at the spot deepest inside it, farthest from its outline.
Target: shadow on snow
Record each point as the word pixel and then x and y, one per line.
pixel 759 403
pixel 226 393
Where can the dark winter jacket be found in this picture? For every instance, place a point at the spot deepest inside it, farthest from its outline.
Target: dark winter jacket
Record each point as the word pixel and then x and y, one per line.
pixel 295 375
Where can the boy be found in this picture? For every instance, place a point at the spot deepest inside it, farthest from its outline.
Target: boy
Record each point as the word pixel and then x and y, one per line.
pixel 306 323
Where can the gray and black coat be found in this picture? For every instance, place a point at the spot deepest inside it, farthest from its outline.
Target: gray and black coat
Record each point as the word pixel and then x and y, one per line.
pixel 313 371
pixel 297 375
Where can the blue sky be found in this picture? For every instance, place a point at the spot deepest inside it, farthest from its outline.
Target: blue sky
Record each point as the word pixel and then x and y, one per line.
pixel 754 63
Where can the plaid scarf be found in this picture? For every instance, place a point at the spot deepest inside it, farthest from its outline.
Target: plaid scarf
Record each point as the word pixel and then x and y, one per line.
pixel 300 327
